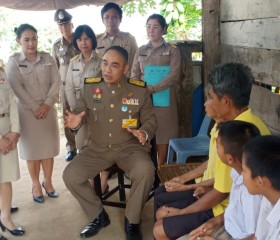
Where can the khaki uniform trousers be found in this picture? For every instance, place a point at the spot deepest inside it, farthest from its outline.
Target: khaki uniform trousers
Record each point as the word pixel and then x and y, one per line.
pixel 92 160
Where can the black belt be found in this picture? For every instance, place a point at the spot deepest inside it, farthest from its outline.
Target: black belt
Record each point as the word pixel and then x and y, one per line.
pixel 2 115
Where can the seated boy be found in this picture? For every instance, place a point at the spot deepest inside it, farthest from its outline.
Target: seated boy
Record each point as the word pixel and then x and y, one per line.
pixel 240 217
pixel 261 172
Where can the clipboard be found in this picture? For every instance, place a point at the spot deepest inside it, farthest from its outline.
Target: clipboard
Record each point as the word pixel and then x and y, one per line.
pixel 153 75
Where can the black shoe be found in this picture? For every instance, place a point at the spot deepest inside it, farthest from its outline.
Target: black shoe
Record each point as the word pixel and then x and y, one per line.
pixel 14 209
pixel 53 194
pixel 132 231
pixel 95 226
pixel 39 199
pixel 70 155
pixel 3 238
pixel 16 232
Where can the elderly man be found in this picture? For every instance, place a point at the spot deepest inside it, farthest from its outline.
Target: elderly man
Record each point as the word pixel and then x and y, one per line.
pixel 228 98
pixel 63 50
pixel 121 121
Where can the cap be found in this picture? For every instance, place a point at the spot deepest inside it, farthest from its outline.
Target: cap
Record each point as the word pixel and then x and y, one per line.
pixel 62 16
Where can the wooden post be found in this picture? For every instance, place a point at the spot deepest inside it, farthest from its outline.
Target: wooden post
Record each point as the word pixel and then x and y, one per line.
pixel 210 36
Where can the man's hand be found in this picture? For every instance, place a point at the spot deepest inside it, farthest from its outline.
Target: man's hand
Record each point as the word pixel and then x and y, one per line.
pixel 139 134
pixel 71 120
pixel 205 229
pixel 171 186
pixel 178 179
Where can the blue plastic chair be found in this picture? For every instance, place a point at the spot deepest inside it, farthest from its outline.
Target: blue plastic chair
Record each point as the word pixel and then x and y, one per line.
pixel 193 146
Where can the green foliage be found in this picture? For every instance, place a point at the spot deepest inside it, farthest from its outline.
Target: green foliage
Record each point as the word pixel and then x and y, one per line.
pixel 181 16
pixel 138 6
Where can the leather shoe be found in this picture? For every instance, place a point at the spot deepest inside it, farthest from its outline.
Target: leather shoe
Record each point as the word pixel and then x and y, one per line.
pixel 53 194
pixel 70 155
pixel 95 226
pixel 14 209
pixel 132 231
pixel 3 238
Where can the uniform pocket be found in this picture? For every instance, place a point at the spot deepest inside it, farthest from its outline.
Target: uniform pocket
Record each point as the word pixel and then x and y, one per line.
pixel 97 112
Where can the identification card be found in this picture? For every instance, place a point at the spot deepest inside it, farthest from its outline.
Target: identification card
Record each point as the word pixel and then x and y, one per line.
pixel 129 123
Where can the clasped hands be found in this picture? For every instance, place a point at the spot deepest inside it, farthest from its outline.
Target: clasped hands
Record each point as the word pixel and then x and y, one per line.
pixel 42 111
pixel 9 142
pixel 73 121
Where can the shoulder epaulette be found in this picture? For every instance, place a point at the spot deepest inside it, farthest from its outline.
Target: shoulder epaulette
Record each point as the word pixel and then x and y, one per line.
pixel 136 82
pixel 74 58
pixel 91 80
pixel 15 54
pixel 57 41
pixel 99 35
pixel 173 45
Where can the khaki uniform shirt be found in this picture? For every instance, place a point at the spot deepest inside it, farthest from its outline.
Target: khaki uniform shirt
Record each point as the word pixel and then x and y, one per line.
pixel 164 55
pixel 62 52
pixel 8 104
pixel 36 82
pixel 123 39
pixel 107 105
pixel 77 72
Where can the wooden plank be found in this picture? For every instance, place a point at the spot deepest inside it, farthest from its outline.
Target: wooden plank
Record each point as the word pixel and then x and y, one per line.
pixel 261 33
pixel 249 9
pixel 265 64
pixel 268 108
pixel 210 36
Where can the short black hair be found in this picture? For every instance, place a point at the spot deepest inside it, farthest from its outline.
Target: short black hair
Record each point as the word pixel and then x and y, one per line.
pixel 161 21
pixel 25 26
pixel 110 5
pixel 121 50
pixel 234 80
pixel 88 31
pixel 262 157
pixel 234 134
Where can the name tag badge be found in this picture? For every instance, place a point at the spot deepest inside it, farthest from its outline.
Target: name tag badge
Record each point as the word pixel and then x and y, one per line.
pixel 129 123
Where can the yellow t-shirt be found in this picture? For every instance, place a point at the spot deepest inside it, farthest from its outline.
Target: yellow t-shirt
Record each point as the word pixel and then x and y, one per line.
pixel 223 180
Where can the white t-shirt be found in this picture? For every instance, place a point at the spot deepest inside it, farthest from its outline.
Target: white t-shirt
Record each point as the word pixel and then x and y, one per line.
pixel 268 227
pixel 242 212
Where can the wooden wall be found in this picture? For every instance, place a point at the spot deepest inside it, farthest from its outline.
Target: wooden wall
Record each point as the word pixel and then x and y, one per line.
pixel 250 34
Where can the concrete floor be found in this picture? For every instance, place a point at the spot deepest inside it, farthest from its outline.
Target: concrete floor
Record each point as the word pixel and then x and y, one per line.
pixel 62 218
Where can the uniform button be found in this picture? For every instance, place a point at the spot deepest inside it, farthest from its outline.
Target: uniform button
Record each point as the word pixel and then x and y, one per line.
pixel 112 105
pixel 94 109
pixel 109 146
pixel 110 134
pixel 111 120
pixel 113 92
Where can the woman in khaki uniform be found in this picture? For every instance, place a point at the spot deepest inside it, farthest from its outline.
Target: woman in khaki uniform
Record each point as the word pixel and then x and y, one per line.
pixel 35 79
pixel 86 65
pixel 9 167
pixel 158 52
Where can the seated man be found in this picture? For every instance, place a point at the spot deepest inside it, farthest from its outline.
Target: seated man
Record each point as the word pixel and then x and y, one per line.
pixel 229 94
pixel 121 121
pixel 240 217
pixel 261 168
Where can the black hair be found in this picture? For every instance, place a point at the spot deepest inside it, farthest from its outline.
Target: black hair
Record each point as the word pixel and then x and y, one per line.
pixel 25 26
pixel 161 20
pixel 110 5
pixel 234 134
pixel 88 31
pixel 120 50
pixel 262 157
pixel 234 80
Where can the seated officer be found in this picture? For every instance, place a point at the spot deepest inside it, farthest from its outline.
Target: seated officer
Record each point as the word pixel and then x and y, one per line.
pixel 121 121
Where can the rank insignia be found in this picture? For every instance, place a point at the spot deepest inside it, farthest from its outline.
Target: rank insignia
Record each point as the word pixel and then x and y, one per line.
pixel 92 80
pixel 165 53
pixel 137 82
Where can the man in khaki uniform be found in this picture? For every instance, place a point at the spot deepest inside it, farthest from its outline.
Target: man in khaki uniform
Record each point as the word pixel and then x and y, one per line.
pixel 63 50
pixel 121 121
pixel 111 15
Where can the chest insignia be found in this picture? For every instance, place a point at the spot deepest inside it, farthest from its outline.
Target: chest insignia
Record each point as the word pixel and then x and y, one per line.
pixel 97 93
pixel 130 101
